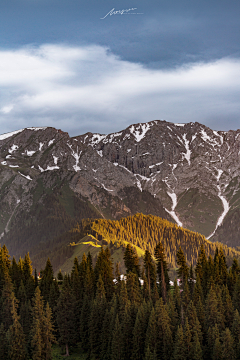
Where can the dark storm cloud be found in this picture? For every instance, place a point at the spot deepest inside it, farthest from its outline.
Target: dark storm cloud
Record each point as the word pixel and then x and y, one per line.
pixel 169 33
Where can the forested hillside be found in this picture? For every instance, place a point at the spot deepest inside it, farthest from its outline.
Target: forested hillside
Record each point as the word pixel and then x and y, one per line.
pixel 144 232
pixel 94 314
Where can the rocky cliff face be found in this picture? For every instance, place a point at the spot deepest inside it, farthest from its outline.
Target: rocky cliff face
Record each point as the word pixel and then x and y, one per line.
pixel 186 173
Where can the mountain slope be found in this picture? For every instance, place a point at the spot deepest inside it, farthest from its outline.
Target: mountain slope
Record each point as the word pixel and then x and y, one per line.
pixel 186 173
pixel 143 232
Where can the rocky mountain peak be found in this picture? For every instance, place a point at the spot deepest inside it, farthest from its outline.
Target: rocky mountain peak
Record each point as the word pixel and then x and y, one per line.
pixel 188 173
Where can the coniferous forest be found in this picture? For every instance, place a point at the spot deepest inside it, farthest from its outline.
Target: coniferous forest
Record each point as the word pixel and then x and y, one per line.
pixel 107 316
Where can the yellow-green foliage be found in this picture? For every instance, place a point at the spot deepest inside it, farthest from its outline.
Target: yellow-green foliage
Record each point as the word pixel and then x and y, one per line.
pixel 145 231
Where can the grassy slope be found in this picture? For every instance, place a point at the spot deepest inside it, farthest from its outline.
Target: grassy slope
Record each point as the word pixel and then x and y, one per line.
pixel 90 244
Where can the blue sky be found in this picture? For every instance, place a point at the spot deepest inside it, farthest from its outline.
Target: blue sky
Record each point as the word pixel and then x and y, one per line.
pixel 62 65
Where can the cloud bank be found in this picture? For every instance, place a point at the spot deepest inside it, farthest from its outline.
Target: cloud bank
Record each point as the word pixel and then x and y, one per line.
pixel 80 89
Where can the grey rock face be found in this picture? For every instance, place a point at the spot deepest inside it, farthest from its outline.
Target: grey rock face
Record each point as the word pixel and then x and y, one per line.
pixel 187 173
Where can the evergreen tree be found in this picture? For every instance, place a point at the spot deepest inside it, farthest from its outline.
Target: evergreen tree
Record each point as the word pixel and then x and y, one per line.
pixel 228 352
pixel 131 260
pixel 214 314
pixel 3 343
pixel 183 270
pixel 162 270
pixel 217 350
pixel 179 348
pixel 164 332
pixel 139 331
pixel 151 335
pixel 66 316
pixel 6 302
pixel 46 281
pixel 49 337
pixel 116 341
pixel 15 336
pixel 197 353
pixel 96 318
pixel 84 323
pixel 37 331
pixel 133 288
pixel 150 272
pixel 104 267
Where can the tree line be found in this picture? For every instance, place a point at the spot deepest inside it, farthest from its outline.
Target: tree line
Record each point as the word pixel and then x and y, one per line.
pixel 145 231
pixel 140 317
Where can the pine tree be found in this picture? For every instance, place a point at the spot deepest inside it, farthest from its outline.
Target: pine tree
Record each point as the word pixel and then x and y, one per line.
pixel 217 350
pixel 197 292
pixel 6 302
pixel 104 267
pixel 197 353
pixel 26 321
pixel 236 294
pixel 164 332
pixel 131 260
pixel 151 335
pixel 227 306
pixel 193 322
pixel 15 274
pixel 179 348
pixel 150 272
pixel 46 281
pixel 127 331
pixel 183 270
pixel 49 337
pixel 96 318
pixel 15 336
pixel 84 323
pixel 187 334
pixel 214 314
pixel 3 343
pixel 37 331
pixel 228 352
pixel 36 343
pixel 133 288
pixel 65 316
pixel 139 331
pixel 116 341
pixel 28 279
pixel 236 328
pixel 162 270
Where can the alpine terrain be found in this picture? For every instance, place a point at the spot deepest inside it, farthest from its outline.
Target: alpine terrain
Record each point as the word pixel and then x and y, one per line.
pixel 184 173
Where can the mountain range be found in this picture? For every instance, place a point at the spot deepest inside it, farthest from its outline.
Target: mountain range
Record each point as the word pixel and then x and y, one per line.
pixel 184 173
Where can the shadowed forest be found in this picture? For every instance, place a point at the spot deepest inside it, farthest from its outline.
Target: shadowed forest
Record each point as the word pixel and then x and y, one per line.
pixel 95 311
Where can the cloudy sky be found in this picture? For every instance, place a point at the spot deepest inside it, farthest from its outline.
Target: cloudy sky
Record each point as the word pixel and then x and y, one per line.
pixel 80 65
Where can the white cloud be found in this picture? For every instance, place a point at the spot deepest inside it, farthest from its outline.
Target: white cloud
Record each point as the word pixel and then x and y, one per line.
pixel 88 88
pixel 6 109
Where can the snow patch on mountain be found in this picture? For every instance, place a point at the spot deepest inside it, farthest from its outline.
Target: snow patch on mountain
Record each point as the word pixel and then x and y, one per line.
pixel 76 156
pixel 25 176
pixel 51 142
pixel 30 153
pixel 13 148
pixel 226 208
pixel 7 135
pixel 173 196
pixel 140 131
pixel 188 153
